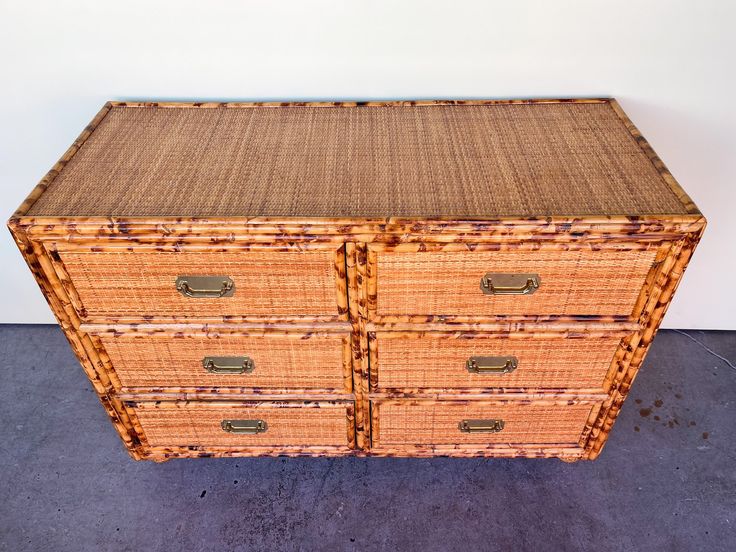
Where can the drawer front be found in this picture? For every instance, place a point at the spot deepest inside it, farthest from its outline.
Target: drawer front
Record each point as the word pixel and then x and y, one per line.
pixel 409 422
pixel 448 283
pixel 283 424
pixel 446 361
pixel 314 361
pixel 265 283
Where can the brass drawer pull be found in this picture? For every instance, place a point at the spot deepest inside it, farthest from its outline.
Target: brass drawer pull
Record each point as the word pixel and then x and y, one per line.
pixel 481 426
pixel 250 427
pixel 492 365
pixel 229 365
pixel 205 286
pixel 509 284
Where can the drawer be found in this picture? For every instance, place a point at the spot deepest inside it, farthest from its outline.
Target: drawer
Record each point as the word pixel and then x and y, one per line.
pixel 446 281
pixel 416 361
pixel 118 284
pixel 407 422
pixel 246 424
pixel 266 361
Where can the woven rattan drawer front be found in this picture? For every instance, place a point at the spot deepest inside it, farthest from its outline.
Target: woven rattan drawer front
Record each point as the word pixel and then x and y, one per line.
pixel 406 422
pixel 267 283
pixel 411 362
pixel 446 281
pixel 272 362
pixel 286 423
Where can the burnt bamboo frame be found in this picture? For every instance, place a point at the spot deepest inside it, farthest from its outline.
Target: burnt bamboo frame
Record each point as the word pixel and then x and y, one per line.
pixel 675 236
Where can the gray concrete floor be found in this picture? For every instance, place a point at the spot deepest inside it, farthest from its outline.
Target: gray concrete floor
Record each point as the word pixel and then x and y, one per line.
pixel 666 480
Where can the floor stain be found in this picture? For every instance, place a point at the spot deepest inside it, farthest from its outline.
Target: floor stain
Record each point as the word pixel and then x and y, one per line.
pixel 644 412
pixel 658 403
pixel 706 435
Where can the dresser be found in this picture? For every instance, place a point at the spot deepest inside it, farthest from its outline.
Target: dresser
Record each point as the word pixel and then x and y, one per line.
pixel 440 278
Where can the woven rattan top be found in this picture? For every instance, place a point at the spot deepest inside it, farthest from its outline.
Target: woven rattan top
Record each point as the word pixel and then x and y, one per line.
pixel 372 161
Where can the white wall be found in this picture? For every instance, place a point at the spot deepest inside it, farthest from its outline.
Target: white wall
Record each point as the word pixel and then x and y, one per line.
pixel 669 62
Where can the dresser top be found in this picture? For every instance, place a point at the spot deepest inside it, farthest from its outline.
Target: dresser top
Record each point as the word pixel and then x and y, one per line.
pixel 457 160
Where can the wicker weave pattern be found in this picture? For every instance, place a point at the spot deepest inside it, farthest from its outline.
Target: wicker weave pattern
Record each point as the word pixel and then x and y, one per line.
pixel 281 361
pixel 142 283
pixel 583 282
pixel 422 161
pixel 439 363
pixel 416 423
pixel 195 425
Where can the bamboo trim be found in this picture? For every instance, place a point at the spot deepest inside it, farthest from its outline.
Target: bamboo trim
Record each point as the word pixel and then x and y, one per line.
pixel 515 327
pixel 562 332
pixel 563 452
pixel 490 394
pixel 163 454
pixel 356 276
pixel 375 425
pixel 298 330
pixel 341 289
pixel 106 362
pixel 98 246
pixel 218 323
pixel 248 394
pixel 373 103
pixel 292 402
pixel 496 321
pixel 413 247
pixel 226 230
pixel 594 412
pixel 547 399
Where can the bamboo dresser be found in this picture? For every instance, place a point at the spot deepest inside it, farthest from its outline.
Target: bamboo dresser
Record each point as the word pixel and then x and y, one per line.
pixel 476 278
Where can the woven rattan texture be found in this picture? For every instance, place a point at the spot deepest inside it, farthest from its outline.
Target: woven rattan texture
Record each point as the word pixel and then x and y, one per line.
pixel 404 423
pixel 370 161
pixel 142 283
pixel 577 282
pixel 200 425
pixel 440 363
pixel 281 361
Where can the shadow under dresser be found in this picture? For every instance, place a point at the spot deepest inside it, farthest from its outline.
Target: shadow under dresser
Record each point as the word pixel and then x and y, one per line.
pixel 459 278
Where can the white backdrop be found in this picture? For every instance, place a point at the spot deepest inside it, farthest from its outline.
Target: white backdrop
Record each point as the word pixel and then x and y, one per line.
pixel 669 62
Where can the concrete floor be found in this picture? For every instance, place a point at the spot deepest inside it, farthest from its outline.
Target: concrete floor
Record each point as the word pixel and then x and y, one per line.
pixel 666 480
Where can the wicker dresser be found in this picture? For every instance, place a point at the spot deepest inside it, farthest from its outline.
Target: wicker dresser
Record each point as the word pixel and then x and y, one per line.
pixel 394 279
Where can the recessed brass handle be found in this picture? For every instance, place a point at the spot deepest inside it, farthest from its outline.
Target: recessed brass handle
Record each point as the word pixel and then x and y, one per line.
pixel 229 365
pixel 205 286
pixel 495 283
pixel 481 426
pixel 250 427
pixel 492 365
